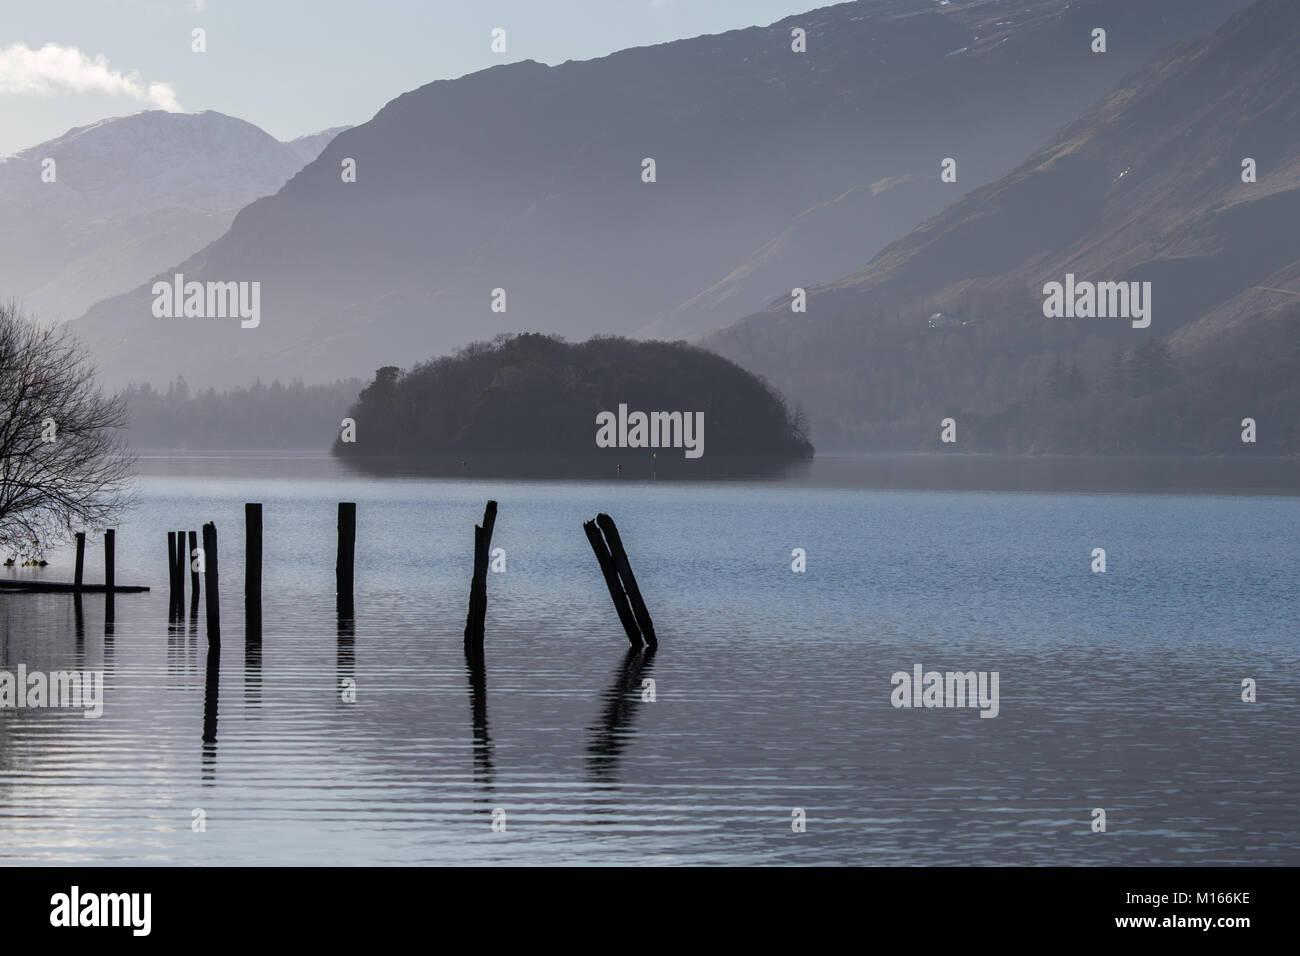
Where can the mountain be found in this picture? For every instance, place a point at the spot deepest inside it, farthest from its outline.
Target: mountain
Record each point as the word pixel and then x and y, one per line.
pixel 130 195
pixel 309 147
pixel 528 178
pixel 1145 186
pixel 822 243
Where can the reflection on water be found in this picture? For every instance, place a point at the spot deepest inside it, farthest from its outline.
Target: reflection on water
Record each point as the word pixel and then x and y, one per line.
pixel 346 655
pixel 615 730
pixel 772 689
pixel 253 670
pixel 476 671
pixel 634 464
pixel 211 702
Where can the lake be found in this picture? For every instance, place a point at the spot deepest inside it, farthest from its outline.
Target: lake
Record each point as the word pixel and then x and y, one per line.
pixel 1119 691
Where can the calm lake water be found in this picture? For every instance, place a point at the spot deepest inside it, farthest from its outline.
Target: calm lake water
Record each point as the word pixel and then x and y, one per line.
pixel 1119 691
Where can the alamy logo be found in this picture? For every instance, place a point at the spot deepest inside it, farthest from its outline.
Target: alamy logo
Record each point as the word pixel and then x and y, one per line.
pixel 1102 300
pixel 208 300
pixel 102 909
pixel 653 430
pixel 83 689
pixel 950 689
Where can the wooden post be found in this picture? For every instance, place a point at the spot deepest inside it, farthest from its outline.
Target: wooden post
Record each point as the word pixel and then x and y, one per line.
pixel 210 580
pixel 477 617
pixel 180 573
pixel 616 592
pixel 343 567
pixel 253 571
pixel 171 574
pixel 471 617
pixel 624 567
pixel 110 567
pixel 81 562
pixel 194 575
pixel 489 522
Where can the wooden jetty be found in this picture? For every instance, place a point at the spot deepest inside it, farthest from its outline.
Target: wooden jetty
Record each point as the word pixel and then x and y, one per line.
pixel 78 586
pixel 17 586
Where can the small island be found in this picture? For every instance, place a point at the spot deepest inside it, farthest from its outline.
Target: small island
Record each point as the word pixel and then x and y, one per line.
pixel 532 404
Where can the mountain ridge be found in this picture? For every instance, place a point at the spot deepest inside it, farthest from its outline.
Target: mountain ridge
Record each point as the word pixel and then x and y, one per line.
pixel 129 192
pixel 527 178
pixel 1146 184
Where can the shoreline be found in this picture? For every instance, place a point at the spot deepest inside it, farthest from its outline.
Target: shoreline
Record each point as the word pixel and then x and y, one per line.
pixel 898 471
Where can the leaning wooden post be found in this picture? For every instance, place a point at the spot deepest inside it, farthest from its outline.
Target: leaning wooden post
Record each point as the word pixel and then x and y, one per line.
pixel 343 567
pixel 477 617
pixel 210 580
pixel 190 559
pixel 624 568
pixel 616 592
pixel 253 570
pixel 81 562
pixel 171 572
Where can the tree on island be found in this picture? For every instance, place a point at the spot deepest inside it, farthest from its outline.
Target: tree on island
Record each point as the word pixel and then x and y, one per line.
pixel 63 459
pixel 537 398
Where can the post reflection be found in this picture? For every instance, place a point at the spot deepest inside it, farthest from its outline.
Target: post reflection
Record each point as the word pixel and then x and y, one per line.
pixel 211 691
pixel 611 736
pixel 476 670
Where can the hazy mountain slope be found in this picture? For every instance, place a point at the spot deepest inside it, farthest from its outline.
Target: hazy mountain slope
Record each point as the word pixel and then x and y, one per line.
pixel 308 147
pixel 131 195
pixel 1144 186
pixel 822 244
pixel 528 178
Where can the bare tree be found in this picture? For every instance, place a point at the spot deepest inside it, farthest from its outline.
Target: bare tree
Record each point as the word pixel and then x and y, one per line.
pixel 64 465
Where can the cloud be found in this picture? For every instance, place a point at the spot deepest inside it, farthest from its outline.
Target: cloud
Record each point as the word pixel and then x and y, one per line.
pixel 53 68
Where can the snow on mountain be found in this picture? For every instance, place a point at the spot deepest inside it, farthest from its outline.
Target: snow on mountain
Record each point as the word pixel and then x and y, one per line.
pixel 126 196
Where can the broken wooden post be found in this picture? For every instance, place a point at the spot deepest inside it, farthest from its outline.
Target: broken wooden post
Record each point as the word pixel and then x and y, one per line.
pixel 616 592
pixel 253 572
pixel 343 567
pixel 191 560
pixel 81 562
pixel 210 581
pixel 477 617
pixel 624 568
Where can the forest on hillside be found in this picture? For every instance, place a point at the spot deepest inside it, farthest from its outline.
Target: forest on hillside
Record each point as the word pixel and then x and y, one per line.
pixel 1017 383
pixel 260 417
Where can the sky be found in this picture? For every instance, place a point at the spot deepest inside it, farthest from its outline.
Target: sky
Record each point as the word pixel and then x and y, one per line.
pixel 297 66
